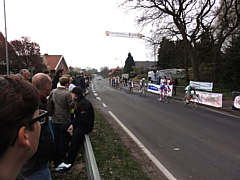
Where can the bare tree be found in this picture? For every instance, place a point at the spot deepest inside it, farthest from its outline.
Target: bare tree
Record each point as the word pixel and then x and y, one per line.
pixel 187 20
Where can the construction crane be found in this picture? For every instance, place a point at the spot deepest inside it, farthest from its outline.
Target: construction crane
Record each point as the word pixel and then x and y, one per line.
pixel 134 35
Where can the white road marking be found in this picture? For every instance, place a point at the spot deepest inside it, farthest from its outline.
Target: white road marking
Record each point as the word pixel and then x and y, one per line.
pixel 176 149
pixel 145 150
pixel 98 98
pixel 104 105
pixel 93 91
pixel 95 94
pixel 221 112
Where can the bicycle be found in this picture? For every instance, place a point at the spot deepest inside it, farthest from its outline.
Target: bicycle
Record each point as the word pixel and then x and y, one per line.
pixel 143 91
pixel 164 95
pixel 193 102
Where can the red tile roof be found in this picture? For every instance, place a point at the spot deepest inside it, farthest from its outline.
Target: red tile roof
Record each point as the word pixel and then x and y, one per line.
pixel 52 60
pixel 114 70
pixel 2 39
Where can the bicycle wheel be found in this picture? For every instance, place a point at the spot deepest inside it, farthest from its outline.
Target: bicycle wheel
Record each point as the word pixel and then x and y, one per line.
pixel 194 105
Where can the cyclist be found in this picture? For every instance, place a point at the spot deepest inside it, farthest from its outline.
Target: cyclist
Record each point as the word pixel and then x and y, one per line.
pixel 130 84
pixel 143 86
pixel 188 93
pixel 164 89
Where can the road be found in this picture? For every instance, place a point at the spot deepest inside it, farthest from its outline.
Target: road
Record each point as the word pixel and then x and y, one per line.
pixel 191 144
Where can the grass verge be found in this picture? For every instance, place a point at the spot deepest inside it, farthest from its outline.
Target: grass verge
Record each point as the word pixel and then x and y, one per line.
pixel 113 159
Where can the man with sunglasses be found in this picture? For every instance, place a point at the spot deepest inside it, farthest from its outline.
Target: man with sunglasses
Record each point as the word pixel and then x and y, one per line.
pixel 19 125
pixel 37 167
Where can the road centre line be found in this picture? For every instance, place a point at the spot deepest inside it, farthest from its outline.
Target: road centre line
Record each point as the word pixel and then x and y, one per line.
pixel 104 105
pixel 145 150
pixel 98 98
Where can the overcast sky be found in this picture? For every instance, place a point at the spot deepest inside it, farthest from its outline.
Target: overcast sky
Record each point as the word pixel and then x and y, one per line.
pixel 76 30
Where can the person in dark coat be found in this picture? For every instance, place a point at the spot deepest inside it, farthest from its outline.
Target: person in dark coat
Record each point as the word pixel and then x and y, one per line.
pixel 55 79
pixel 80 81
pixel 83 122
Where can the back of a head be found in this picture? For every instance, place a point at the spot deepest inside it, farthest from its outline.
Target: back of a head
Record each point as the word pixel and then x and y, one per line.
pixel 64 81
pixel 79 92
pixel 42 81
pixel 25 73
pixel 22 71
pixel 18 99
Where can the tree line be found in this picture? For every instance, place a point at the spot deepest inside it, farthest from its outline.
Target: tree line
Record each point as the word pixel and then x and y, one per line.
pixel 22 54
pixel 198 35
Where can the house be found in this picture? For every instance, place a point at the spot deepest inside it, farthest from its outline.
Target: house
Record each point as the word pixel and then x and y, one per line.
pixel 55 62
pixel 114 71
pixel 146 65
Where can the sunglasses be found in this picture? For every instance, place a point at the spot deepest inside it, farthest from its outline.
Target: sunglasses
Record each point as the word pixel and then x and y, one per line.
pixel 42 118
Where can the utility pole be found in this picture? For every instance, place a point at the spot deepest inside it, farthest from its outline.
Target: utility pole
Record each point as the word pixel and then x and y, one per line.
pixel 6 42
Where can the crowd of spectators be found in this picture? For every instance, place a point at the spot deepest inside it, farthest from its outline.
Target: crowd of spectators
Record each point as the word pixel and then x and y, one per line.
pixel 43 119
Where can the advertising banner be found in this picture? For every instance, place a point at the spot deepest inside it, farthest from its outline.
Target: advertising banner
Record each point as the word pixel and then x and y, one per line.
pixel 236 100
pixel 207 86
pixel 154 88
pixel 210 99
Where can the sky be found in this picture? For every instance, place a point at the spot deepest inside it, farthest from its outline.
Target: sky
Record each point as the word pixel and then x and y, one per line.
pixel 76 30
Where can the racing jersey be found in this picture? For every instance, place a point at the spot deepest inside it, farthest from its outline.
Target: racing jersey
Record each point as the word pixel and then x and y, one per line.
pixel 188 89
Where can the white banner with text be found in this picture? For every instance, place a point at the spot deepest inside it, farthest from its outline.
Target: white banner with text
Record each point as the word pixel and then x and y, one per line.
pixel 207 86
pixel 210 99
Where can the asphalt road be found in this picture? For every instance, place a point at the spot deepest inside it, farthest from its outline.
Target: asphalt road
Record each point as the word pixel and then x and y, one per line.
pixel 192 144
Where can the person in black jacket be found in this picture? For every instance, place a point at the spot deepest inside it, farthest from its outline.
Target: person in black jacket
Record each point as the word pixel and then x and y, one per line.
pixel 80 81
pixel 56 78
pixel 83 122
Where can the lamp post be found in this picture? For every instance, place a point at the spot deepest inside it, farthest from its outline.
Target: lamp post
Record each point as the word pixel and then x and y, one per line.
pixel 6 43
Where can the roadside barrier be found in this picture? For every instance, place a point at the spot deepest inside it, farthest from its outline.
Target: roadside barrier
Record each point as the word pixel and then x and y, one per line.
pixel 92 169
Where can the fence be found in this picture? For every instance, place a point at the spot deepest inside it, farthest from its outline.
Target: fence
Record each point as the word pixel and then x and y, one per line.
pixel 92 169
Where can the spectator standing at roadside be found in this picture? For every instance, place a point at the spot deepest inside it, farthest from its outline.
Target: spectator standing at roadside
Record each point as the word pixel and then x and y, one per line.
pixel 80 81
pixel 19 125
pixel 37 167
pixel 55 79
pixel 52 73
pixel 71 85
pixel 83 122
pixel 59 105
pixel 25 74
pixel 175 84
